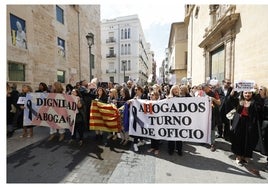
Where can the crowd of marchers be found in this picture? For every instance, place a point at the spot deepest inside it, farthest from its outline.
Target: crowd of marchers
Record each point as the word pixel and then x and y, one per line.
pixel 247 130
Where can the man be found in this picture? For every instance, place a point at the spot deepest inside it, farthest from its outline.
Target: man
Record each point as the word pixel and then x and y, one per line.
pixel 223 126
pixel 131 89
pixel 215 102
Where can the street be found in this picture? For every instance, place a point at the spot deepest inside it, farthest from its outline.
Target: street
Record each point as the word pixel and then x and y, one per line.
pixel 36 160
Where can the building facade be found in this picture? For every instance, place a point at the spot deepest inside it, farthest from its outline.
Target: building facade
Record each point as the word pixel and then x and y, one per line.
pixel 47 43
pixel 125 53
pixel 227 41
pixel 177 52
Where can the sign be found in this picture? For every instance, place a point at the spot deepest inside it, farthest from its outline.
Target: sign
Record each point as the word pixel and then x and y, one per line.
pixel 178 118
pixel 244 85
pixel 50 109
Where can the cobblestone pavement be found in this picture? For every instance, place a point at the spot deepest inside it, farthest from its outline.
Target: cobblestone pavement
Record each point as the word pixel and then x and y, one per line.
pixel 36 160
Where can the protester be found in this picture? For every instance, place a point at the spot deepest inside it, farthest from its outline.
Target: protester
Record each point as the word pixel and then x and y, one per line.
pixel 56 88
pixel 101 96
pixel 174 92
pixel 215 102
pixel 244 132
pixel 262 96
pixel 80 118
pixel 25 89
pixel 154 143
pixel 224 124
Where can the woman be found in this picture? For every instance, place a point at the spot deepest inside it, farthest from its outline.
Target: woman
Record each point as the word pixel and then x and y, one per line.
pixel 25 89
pixel 263 130
pixel 174 92
pixel 56 88
pixel 244 131
pixel 123 109
pixel 137 140
pixel 80 117
pixel 154 143
pixel 113 99
pixel 101 97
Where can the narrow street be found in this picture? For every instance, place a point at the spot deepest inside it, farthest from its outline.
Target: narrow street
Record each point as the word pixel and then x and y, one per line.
pixel 35 160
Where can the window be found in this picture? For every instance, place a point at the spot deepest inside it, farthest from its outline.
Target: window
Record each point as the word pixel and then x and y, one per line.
pixel 125 33
pixel 16 72
pixel 128 65
pixel 128 33
pixel 129 51
pixel 122 49
pixel 122 33
pixel 61 47
pixel 217 63
pixel 60 14
pixel 126 52
pixel 61 76
pixel 111 79
pixel 111 51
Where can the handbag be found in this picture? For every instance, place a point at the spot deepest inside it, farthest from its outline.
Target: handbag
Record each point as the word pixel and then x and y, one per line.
pixel 230 115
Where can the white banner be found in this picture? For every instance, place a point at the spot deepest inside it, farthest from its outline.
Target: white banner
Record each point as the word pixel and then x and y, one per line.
pixel 244 85
pixel 178 118
pixel 50 109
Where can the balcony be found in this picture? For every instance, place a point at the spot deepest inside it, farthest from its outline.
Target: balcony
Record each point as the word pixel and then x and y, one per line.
pixel 110 55
pixel 110 71
pixel 111 40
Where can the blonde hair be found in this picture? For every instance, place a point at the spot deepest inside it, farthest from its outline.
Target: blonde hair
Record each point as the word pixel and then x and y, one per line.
pixel 171 90
pixel 114 92
pixel 57 87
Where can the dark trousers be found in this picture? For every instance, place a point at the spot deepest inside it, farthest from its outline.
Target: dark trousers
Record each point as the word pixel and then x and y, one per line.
pixel 155 144
pixel 79 127
pixel 173 144
pixel 224 127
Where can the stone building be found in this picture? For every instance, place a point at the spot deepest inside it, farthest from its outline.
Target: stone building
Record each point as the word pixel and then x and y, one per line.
pixel 227 41
pixel 126 54
pixel 177 52
pixel 47 43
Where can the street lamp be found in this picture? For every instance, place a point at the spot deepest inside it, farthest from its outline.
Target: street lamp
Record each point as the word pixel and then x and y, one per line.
pixel 124 66
pixel 90 42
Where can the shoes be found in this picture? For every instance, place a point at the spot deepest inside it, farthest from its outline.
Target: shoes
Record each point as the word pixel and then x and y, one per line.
pixel 71 141
pixel 135 147
pixel 212 148
pixel 51 137
pixel 156 152
pixel 114 137
pixel 150 150
pixel 23 136
pixel 29 135
pixel 265 168
pixel 239 162
pixel 219 136
pixel 109 136
pixel 61 137
pixel 141 143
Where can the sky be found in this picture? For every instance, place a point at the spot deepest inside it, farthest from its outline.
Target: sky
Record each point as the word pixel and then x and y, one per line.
pixel 156 19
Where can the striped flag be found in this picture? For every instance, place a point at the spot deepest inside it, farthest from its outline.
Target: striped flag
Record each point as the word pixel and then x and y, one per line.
pixel 104 117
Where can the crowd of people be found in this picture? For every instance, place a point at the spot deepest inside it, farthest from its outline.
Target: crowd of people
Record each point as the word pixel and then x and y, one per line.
pixel 247 131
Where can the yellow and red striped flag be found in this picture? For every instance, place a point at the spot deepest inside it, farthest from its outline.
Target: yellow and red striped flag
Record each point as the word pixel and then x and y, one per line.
pixel 104 117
